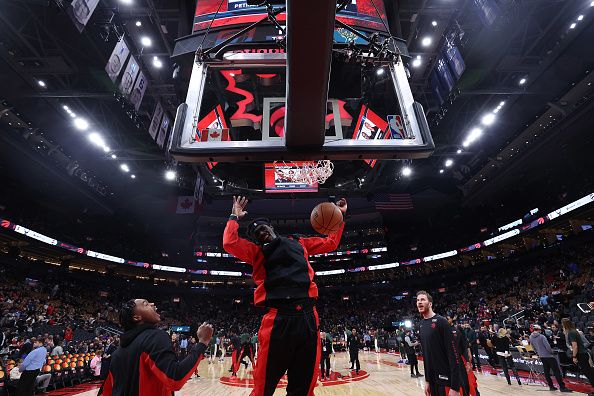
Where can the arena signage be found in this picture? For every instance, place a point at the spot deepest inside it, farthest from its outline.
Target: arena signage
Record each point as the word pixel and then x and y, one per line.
pixel 331 272
pixel 35 235
pixel 383 266
pixel 510 225
pixel 168 268
pixel 226 273
pixel 572 206
pixel 107 257
pixel 501 237
pixel 440 255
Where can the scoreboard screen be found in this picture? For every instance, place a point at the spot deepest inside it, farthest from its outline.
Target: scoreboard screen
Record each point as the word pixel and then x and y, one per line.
pixel 358 13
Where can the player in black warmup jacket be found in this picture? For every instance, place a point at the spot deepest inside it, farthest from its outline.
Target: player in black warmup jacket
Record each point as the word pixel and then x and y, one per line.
pixel 354 343
pixel 443 364
pixel 288 336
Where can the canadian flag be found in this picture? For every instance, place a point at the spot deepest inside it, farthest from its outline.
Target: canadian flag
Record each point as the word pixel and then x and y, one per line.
pixel 214 135
pixel 185 205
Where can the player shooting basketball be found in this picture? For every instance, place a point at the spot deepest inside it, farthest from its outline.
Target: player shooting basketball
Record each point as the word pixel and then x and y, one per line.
pixel 288 336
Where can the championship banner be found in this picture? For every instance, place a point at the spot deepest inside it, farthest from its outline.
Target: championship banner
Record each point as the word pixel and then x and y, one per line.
pixel 80 11
pixel 117 60
pixel 163 130
pixel 129 76
pixel 199 190
pixel 156 121
pixel 138 91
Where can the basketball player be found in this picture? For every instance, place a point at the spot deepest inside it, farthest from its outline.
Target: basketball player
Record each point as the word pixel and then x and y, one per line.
pixel 145 364
pixel 288 336
pixel 440 354
pixel 354 343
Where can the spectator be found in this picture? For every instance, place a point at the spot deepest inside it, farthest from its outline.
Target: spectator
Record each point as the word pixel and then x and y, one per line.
pixel 96 364
pixel 30 368
pixel 579 352
pixel 502 347
pixel 58 350
pixel 542 347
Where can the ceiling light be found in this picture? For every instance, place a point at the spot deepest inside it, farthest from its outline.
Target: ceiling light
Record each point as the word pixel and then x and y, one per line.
pixel 170 175
pixel 380 71
pixel 138 23
pixel 126 1
pixel 417 62
pixel 497 110
pixel 441 171
pixel 73 115
pixel 573 25
pixel 449 163
pixel 592 4
pixel 41 83
pixel 96 139
pixel 466 143
pixel 522 81
pixel 580 17
pixel 81 123
pixel 125 168
pixel 146 42
pixel 488 119
pixel 106 149
pixel 406 171
pixel 66 108
pixel 157 63
pixel 426 41
pixel 133 176
pixel 114 156
pixel 434 23
pixel 459 151
pixel 502 103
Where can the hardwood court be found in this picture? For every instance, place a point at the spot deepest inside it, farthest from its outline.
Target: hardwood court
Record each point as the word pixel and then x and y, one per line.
pixel 385 378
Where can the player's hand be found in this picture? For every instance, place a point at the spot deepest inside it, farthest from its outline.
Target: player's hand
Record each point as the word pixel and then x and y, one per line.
pixel 239 204
pixel 342 205
pixel 453 393
pixel 204 333
pixel 575 360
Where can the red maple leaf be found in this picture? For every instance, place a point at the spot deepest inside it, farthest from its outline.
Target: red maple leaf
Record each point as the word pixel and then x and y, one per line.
pixel 186 204
pixel 214 134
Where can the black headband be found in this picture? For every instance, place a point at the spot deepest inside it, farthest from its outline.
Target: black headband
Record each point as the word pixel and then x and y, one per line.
pixel 255 223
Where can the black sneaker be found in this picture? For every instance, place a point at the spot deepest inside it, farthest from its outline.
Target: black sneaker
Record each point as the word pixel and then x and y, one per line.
pixel 419 375
pixel 552 388
pixel 566 390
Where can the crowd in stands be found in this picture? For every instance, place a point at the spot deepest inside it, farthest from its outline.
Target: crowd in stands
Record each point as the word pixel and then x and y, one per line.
pixel 75 318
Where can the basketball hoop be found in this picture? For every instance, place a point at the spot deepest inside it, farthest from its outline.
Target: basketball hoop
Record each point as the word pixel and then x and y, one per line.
pixel 311 172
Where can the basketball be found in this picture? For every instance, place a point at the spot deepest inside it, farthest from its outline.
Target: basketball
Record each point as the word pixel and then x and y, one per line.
pixel 326 218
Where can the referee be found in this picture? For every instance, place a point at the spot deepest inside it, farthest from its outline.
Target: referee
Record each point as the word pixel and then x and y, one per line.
pixel 442 361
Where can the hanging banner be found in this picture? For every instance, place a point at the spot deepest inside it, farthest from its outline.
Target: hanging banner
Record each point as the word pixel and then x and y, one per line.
pixel 156 121
pixel 163 130
pixel 80 11
pixel 117 60
pixel 129 76
pixel 138 91
pixel 199 189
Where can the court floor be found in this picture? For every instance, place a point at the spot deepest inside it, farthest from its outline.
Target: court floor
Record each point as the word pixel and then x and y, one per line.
pixel 380 375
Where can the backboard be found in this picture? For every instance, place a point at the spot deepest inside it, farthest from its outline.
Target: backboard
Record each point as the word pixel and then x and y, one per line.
pixel 235 110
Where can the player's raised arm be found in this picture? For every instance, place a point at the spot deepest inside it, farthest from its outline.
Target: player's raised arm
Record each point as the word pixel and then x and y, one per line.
pixel 318 245
pixel 232 242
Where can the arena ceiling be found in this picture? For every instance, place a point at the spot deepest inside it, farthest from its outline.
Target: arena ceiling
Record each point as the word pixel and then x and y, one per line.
pixel 537 148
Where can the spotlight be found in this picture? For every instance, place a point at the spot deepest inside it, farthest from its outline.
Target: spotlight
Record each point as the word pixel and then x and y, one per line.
pixel 81 124
pixel 496 110
pixel 125 168
pixel 488 119
pixel 417 61
pixel 501 103
pixel 157 63
pixel 106 149
pixel 138 23
pixel 126 1
pixel 133 176
pixel 114 156
pixel 406 171
pixel 459 151
pixel 170 175
pixel 66 108
pixel 573 25
pixel 96 139
pixel 426 42
pixel 146 42
pixel 434 23
pixel 380 71
pixel 41 83
pixel 466 143
pixel 580 17
pixel 449 163
pixel 441 171
pixel 522 81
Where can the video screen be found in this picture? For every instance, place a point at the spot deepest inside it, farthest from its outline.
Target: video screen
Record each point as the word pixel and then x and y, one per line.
pixel 359 13
pixel 278 178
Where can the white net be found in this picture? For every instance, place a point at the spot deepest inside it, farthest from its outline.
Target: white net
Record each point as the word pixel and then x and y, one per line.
pixel 311 172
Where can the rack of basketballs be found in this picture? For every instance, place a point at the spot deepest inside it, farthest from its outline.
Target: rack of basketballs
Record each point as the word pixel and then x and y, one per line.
pixel 66 370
